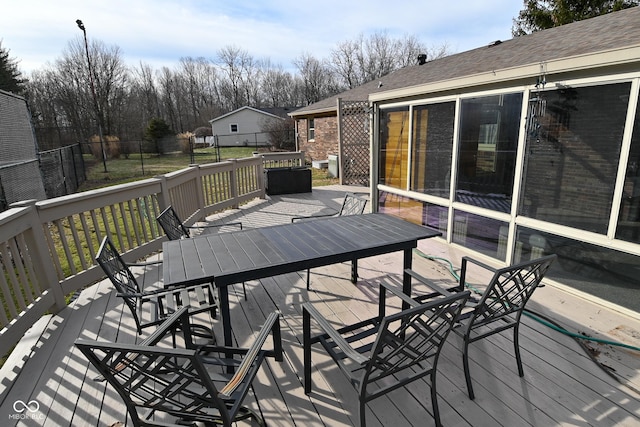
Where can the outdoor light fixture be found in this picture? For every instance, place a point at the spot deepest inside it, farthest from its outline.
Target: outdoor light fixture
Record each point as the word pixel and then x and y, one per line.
pixel 93 93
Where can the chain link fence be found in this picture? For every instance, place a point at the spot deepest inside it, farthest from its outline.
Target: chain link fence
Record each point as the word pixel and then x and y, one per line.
pixel 63 170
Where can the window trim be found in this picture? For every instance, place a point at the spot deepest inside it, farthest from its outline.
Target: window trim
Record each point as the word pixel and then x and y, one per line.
pixel 311 129
pixel 231 125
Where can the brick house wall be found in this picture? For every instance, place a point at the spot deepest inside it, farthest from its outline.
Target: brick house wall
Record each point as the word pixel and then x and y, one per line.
pixel 326 137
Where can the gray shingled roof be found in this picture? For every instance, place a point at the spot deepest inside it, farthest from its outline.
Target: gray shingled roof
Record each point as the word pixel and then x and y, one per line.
pixel 614 30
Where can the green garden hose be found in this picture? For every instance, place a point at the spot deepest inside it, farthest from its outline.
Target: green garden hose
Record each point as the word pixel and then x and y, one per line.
pixel 535 316
pixel 579 338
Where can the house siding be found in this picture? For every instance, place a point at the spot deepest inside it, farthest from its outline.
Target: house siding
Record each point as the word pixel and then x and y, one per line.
pixel 325 141
pixel 250 123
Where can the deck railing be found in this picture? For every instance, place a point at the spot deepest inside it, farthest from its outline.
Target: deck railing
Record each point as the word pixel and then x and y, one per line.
pixel 284 159
pixel 48 248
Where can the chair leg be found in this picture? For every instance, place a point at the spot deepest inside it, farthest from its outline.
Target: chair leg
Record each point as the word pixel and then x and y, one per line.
pixel 467 373
pixel 363 410
pixel 434 399
pixel 516 346
pixel 244 291
pixel 306 349
pixel 245 413
pixel 308 277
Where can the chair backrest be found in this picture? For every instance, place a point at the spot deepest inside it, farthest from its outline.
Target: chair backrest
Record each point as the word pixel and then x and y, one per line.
pixel 118 272
pixel 171 224
pixel 352 205
pixel 156 380
pixel 161 380
pixel 509 290
pixel 410 341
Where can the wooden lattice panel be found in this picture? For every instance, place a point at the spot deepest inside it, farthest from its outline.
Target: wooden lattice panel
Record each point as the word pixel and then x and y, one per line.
pixel 355 132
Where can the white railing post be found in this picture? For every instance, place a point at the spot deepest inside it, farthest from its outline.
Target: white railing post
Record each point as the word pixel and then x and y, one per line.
pixel 163 196
pixel 40 256
pixel 233 182
pixel 199 190
pixel 260 179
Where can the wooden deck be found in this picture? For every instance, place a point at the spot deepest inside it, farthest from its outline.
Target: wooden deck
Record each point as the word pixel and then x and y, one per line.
pixel 562 385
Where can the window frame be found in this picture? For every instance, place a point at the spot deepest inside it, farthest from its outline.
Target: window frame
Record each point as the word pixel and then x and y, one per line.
pixel 311 129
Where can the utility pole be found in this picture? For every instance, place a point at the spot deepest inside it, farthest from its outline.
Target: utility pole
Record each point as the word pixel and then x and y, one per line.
pixel 93 93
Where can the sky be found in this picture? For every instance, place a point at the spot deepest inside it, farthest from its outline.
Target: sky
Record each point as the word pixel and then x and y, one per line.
pixel 160 32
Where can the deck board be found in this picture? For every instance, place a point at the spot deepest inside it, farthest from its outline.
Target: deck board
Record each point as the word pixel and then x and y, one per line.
pixel 562 386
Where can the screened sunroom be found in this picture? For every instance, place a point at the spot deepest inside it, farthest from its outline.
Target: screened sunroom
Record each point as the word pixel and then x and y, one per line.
pixel 520 162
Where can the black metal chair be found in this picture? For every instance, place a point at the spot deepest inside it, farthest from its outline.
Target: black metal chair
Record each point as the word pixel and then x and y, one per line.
pixel 389 351
pixel 351 205
pixel 176 230
pixel 163 385
pixel 150 308
pixel 500 306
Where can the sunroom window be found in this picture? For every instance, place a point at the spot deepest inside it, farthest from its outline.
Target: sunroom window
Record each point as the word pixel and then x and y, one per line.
pixel 487 150
pixel 573 150
pixel 432 148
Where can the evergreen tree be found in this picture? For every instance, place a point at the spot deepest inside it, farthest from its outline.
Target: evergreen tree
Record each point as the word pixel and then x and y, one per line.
pixel 10 77
pixel 543 14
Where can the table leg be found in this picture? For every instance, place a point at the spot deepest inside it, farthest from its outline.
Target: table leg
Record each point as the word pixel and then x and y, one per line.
pixel 406 278
pixel 223 292
pixel 354 271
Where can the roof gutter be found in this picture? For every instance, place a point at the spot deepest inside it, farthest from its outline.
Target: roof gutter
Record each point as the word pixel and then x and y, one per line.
pixel 607 58
pixel 313 112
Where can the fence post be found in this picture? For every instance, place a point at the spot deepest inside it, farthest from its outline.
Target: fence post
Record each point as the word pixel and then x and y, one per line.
pixel 39 254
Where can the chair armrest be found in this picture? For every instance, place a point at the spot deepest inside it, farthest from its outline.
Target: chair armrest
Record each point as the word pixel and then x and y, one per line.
pixel 466 259
pixel 180 316
pixel 215 225
pixel 326 327
pixel 143 264
pixel 437 288
pixel 385 286
pixel 132 295
pixel 296 218
pixel 272 324
pixel 463 269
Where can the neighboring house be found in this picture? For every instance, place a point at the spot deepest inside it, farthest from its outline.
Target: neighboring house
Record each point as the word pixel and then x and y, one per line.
pixel 20 176
pixel 244 126
pixel 203 137
pixel 520 148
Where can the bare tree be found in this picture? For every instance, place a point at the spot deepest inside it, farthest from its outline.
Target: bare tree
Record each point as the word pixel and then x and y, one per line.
pixel 359 61
pixel 232 62
pixel 318 78
pixel 144 92
pixel 200 78
pixel 344 62
pixel 199 89
pixel 277 86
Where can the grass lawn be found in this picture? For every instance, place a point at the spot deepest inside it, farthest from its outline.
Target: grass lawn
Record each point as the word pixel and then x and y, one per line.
pixel 134 167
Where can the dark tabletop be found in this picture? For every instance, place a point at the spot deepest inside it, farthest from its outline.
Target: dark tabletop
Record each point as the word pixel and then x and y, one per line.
pixel 239 256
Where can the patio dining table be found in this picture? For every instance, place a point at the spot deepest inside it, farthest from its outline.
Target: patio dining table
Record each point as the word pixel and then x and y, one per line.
pixel 239 256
